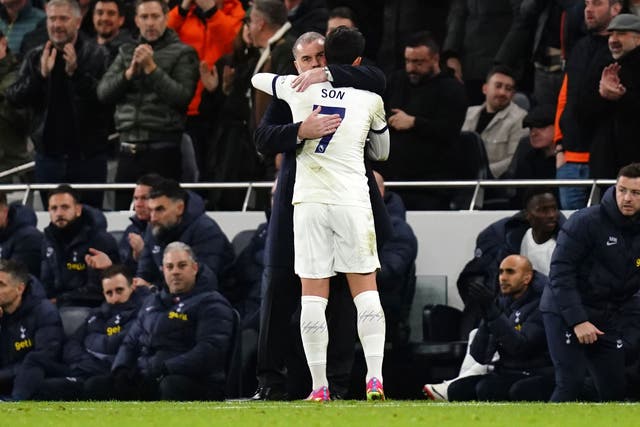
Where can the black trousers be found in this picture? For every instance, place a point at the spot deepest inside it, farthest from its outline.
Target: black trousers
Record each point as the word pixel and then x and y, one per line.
pixel 30 376
pixel 604 360
pixel 166 162
pixel 170 387
pixel 496 387
pixel 281 362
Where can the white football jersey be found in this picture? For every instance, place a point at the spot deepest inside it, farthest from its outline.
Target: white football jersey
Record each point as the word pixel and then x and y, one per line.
pixel 331 169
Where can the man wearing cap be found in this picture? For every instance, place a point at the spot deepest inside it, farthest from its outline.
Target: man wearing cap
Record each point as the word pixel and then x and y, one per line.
pixel 615 141
pixel 535 157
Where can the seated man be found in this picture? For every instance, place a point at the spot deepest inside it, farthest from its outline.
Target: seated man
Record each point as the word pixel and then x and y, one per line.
pixel 76 232
pixel 178 347
pixel 498 120
pixel 511 326
pixel 30 324
pixel 179 215
pixel 20 240
pixel 396 277
pixel 90 351
pixel 132 241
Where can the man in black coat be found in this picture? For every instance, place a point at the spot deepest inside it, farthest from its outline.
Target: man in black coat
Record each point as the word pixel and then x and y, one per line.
pixel 20 240
pixel 426 107
pixel 178 347
pixel 30 325
pixel 90 351
pixel 76 233
pixel 591 309
pixel 281 287
pixel 58 82
pixel 512 327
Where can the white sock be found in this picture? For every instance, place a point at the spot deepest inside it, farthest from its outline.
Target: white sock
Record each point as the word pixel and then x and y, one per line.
pixel 315 338
pixel 371 330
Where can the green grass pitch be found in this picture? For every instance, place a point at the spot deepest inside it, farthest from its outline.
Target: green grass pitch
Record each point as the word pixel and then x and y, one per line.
pixel 307 414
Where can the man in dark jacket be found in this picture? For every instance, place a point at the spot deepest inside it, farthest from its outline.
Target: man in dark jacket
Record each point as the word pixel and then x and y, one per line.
pixel 71 240
pixel 615 143
pixel 178 347
pixel 591 309
pixel 30 324
pixel 511 326
pixel 426 107
pixel 90 351
pixel 179 215
pixel 20 240
pixel 58 82
pixel 151 83
pixel 281 287
pixel 132 241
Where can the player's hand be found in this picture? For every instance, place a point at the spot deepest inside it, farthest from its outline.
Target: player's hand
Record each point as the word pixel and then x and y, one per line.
pixel 97 259
pixel 317 126
pixel 70 59
pixel 586 332
pixel 48 59
pixel 209 76
pixel 309 77
pixel 137 244
pixel 401 120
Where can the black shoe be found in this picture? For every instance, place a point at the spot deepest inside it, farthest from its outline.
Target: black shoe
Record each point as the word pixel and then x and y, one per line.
pixel 270 393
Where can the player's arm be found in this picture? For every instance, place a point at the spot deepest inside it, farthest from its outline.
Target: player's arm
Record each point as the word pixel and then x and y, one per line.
pixel 265 82
pixel 378 146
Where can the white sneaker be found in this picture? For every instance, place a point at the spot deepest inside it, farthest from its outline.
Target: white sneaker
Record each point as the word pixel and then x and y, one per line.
pixel 436 392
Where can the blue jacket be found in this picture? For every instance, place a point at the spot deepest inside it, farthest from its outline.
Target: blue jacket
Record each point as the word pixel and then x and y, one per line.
pixel 20 240
pixel 196 229
pixel 64 273
pixel 186 334
pixel 35 327
pixel 92 348
pixel 137 226
pixel 515 330
pixel 595 270
pixel 277 134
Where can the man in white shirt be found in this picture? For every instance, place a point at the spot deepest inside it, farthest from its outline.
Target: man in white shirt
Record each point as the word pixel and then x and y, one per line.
pixel 332 210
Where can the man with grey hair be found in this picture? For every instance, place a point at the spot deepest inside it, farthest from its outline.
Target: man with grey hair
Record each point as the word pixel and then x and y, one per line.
pixel 178 347
pixel 615 143
pixel 58 83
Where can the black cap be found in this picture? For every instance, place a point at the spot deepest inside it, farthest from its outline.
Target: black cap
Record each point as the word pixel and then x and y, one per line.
pixel 540 116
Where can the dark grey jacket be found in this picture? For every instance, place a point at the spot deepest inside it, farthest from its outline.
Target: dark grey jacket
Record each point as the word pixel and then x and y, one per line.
pixel 154 106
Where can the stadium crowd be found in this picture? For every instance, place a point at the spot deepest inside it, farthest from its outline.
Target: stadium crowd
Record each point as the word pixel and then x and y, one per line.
pixel 493 89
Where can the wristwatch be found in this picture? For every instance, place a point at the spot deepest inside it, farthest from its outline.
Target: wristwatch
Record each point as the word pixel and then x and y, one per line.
pixel 328 74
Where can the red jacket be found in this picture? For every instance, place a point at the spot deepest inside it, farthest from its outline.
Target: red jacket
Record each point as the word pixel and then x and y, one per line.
pixel 210 34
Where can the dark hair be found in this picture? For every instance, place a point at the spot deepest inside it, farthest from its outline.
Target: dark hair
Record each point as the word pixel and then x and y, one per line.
pixel 116 269
pixel 343 12
pixel 118 4
pixel 149 179
pixel 343 45
pixel 533 192
pixel 423 38
pixel 17 270
pixel 274 12
pixel 3 198
pixel 169 188
pixel 501 69
pixel 630 171
pixel 65 189
pixel 162 3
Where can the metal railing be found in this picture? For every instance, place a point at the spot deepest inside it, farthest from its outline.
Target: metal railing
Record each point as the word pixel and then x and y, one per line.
pixel 476 185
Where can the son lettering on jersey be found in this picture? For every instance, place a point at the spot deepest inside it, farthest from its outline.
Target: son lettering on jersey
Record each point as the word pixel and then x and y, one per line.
pixel 179 316
pixel 332 93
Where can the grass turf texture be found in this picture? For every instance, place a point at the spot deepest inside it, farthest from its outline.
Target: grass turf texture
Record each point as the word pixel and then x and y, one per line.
pixel 307 414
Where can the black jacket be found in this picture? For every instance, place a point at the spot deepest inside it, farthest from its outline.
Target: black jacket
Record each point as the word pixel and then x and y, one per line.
pixel 515 330
pixel 20 240
pixel 35 327
pixel 88 117
pixel 309 15
pixel 64 272
pixel 186 334
pixel 139 227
